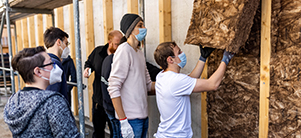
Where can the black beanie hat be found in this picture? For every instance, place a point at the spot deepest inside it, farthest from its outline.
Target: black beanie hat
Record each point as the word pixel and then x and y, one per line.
pixel 128 23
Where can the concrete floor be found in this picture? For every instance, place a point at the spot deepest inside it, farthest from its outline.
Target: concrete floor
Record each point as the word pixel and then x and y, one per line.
pixel 5 132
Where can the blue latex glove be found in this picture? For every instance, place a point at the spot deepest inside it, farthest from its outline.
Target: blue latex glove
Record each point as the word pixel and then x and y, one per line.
pixel 227 56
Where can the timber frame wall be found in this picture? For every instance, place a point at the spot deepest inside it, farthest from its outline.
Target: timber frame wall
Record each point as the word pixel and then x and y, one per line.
pixel 26 38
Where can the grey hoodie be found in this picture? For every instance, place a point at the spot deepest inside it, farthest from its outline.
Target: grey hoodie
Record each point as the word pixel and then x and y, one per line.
pixel 39 113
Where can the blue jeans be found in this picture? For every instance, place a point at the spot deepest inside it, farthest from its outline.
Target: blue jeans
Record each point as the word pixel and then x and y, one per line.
pixel 115 126
pixel 140 127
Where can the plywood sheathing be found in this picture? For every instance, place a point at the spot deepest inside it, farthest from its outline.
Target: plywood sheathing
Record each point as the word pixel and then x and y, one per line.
pixel 221 24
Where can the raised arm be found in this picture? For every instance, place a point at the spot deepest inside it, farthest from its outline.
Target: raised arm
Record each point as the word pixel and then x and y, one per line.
pixel 205 52
pixel 214 81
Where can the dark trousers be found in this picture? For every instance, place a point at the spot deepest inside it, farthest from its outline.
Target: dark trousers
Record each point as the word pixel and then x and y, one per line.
pixel 99 119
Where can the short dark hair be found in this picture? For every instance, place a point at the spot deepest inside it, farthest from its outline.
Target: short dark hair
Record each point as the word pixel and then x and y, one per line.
pixel 162 52
pixel 26 60
pixel 52 34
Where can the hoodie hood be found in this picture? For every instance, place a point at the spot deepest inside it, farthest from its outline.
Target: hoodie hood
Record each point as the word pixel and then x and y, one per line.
pixel 21 107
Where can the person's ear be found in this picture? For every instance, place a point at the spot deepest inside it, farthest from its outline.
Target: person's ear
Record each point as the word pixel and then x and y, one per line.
pixel 58 42
pixel 37 71
pixel 170 60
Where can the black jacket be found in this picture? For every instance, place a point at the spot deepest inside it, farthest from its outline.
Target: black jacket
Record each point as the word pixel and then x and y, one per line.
pixel 94 62
pixel 60 87
pixel 69 70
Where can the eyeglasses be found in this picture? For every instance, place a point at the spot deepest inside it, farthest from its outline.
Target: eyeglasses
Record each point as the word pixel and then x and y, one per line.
pixel 42 66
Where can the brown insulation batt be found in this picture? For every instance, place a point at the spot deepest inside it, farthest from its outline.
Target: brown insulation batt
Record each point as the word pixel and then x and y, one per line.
pixel 285 97
pixel 222 24
pixel 233 110
pixel 285 90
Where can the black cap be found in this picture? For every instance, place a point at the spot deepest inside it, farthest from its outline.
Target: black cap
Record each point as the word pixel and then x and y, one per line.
pixel 128 23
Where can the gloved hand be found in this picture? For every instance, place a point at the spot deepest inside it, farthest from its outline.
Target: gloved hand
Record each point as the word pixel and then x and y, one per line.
pixel 126 129
pixel 205 52
pixel 227 56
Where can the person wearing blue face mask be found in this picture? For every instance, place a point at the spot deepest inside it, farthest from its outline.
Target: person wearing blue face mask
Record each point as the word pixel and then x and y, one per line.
pixel 129 80
pixel 173 88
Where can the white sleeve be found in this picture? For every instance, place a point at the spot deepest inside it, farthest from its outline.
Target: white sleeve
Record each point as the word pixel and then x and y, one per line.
pixel 183 85
pixel 120 68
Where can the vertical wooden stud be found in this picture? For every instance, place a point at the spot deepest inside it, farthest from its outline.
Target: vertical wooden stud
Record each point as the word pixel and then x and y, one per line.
pixel 32 35
pixel 108 20
pixel 89 28
pixel 24 33
pixel 49 21
pixel 204 115
pixel 59 18
pixel 165 20
pixel 20 44
pixel 39 25
pixel 132 6
pixel 73 56
pixel 265 55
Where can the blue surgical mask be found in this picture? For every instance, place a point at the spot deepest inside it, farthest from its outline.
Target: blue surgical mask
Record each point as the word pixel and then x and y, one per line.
pixel 183 59
pixel 141 35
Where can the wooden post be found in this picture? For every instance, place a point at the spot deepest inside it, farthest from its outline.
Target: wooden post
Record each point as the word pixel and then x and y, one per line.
pixel 20 44
pixel 73 56
pixel 90 45
pixel 24 34
pixel 59 18
pixel 165 20
pixel 132 6
pixel 265 55
pixel 13 42
pixel 40 32
pixel 49 21
pixel 32 36
pixel 204 115
pixel 108 18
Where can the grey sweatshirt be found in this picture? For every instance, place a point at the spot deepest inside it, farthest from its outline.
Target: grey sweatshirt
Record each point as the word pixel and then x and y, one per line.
pixel 39 113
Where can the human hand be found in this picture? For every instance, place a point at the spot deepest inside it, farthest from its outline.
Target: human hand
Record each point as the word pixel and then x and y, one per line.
pixel 126 129
pixel 86 73
pixel 227 56
pixel 205 52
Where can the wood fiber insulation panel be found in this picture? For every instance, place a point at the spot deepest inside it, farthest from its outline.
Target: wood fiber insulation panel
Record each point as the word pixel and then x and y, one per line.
pixel 285 96
pixel 233 110
pixel 288 15
pixel 223 24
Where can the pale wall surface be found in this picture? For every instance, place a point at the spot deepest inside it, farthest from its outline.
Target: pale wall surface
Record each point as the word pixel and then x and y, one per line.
pixel 181 13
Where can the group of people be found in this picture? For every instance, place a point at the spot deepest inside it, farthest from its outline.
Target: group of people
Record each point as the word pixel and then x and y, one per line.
pixel 123 80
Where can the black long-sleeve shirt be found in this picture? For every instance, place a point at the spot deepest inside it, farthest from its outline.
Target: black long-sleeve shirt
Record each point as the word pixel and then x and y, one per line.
pixel 94 62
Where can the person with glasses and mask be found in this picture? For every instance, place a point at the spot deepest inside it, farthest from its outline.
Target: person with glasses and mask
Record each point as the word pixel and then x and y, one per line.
pixel 129 80
pixel 56 42
pixel 35 111
pixel 173 89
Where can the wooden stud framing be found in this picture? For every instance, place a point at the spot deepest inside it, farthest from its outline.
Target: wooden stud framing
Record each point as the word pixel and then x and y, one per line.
pixel 24 33
pixel 39 25
pixel 265 55
pixel 204 115
pixel 73 56
pixel 90 45
pixel 32 36
pixel 59 18
pixel 49 20
pixel 132 6
pixel 20 44
pixel 165 20
pixel 108 20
